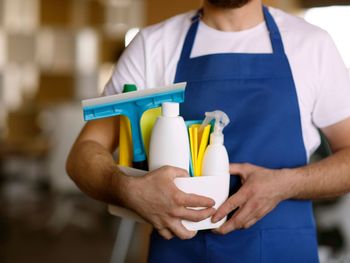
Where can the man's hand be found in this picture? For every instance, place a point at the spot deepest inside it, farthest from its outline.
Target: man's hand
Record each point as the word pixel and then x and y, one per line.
pixel 262 189
pixel 157 199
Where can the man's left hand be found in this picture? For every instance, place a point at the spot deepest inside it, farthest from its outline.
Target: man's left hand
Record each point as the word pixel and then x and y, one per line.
pixel 262 189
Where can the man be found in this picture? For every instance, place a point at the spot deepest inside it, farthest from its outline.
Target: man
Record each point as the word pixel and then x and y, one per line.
pixel 279 79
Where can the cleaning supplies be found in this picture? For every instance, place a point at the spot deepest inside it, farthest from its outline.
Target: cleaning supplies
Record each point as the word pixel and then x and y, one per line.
pixel 198 143
pixel 203 139
pixel 125 141
pixel 215 161
pixel 192 154
pixel 169 144
pixel 133 105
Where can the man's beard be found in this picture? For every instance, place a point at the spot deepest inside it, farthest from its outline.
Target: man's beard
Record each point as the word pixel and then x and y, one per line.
pixel 228 3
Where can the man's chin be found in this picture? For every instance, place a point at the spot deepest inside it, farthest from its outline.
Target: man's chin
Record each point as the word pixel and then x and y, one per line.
pixel 228 3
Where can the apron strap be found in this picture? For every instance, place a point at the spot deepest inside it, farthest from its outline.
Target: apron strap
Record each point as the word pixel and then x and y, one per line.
pixel 198 15
pixel 190 36
pixel 275 36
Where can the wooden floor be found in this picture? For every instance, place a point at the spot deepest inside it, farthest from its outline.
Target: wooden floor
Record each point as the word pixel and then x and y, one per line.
pixel 27 236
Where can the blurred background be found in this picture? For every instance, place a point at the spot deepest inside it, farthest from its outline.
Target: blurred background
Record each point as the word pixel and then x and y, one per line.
pixel 54 53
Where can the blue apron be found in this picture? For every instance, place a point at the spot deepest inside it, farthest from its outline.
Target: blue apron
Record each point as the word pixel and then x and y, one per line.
pixel 258 93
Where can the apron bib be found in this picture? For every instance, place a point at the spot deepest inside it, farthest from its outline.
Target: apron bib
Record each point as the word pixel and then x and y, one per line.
pixel 258 93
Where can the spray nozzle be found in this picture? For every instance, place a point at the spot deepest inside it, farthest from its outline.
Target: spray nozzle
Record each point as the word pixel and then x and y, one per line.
pixel 221 121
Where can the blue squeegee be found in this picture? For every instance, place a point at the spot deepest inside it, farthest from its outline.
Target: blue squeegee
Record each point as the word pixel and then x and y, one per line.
pixel 133 105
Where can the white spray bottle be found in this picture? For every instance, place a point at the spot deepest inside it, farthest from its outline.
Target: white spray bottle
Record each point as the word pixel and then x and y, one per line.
pixel 215 161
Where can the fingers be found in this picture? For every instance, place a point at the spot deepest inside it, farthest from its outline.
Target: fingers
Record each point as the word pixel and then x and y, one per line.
pixel 241 169
pixel 235 201
pixel 244 216
pixel 227 227
pixel 175 171
pixel 194 215
pixel 250 223
pixel 237 168
pixel 165 233
pixel 175 227
pixel 180 231
pixel 193 200
pixel 253 217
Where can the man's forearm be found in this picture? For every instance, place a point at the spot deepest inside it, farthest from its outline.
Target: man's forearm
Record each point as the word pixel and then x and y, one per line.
pixel 327 178
pixel 95 172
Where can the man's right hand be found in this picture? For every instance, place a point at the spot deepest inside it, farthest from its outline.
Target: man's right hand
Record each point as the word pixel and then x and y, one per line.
pixel 157 199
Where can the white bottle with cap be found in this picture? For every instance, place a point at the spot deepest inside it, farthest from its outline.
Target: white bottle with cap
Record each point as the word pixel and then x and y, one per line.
pixel 215 161
pixel 169 143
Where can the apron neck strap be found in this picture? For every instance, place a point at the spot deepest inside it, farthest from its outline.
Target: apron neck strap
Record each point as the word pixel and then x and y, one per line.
pixel 191 35
pixel 198 15
pixel 275 36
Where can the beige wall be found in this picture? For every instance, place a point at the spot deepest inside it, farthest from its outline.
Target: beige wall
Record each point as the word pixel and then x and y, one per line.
pixel 158 10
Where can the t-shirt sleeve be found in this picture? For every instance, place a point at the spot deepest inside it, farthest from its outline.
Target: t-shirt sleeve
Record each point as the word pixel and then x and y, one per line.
pixel 332 103
pixel 130 68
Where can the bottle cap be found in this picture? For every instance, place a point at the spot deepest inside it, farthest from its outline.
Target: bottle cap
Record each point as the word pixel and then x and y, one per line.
pixel 221 121
pixel 170 109
pixel 129 87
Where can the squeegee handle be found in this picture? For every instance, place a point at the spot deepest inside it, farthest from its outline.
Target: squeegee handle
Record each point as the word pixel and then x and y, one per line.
pixel 134 115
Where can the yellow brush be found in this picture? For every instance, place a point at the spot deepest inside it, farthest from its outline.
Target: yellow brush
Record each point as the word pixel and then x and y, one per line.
pixel 198 142
pixel 125 142
pixel 190 130
pixel 195 148
pixel 204 135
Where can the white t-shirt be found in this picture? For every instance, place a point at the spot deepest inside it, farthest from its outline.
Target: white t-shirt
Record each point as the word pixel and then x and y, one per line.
pixel 321 78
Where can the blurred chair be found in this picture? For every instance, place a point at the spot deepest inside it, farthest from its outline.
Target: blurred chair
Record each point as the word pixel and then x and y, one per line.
pixel 63 122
